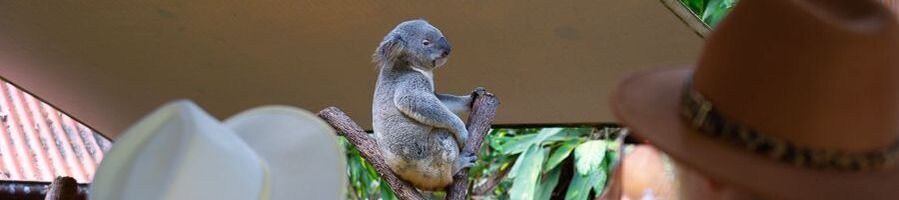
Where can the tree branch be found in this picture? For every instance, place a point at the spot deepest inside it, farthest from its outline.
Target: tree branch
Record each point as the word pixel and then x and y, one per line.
pixel 368 148
pixel 483 111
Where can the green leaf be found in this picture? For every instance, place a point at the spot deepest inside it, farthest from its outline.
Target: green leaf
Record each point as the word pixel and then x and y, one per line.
pixel 527 174
pixel 372 173
pixel 517 144
pixel 520 143
pixel 569 134
pixel 611 160
pixel 589 156
pixel 545 190
pixel 580 186
pixel 698 6
pixel 716 10
pixel 387 194
pixel 514 171
pixel 559 154
pixel 362 180
pixel 578 189
pixel 357 170
pixel 547 133
pixel 598 178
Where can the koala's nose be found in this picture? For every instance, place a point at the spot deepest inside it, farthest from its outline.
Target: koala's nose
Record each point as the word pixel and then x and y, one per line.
pixel 443 44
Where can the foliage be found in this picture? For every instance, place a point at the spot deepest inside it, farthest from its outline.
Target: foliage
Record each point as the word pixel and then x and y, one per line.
pixel 710 11
pixel 364 181
pixel 524 163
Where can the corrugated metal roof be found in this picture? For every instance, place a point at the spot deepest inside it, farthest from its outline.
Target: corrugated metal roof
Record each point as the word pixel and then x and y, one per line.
pixel 38 142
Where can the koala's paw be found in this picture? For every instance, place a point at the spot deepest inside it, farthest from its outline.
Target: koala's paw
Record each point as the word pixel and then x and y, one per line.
pixel 465 160
pixel 469 159
pixel 479 89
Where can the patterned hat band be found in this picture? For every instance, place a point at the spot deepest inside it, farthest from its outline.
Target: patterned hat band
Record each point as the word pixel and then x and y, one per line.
pixel 703 117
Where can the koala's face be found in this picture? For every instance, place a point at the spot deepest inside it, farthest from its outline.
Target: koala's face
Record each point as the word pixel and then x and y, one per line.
pixel 418 43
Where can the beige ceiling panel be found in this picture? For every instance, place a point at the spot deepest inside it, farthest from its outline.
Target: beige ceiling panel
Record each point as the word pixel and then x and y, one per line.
pixel 109 62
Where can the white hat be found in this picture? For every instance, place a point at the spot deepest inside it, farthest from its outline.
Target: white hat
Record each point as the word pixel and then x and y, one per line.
pixel 181 152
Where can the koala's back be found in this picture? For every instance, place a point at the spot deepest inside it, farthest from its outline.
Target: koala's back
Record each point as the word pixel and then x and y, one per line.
pixel 420 154
pixel 392 128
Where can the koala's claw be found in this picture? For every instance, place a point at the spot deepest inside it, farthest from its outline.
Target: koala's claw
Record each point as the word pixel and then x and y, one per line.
pixel 468 160
pixel 478 91
pixel 464 161
pixel 466 154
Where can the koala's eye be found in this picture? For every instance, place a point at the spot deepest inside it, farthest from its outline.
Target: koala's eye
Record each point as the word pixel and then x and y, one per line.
pixel 426 42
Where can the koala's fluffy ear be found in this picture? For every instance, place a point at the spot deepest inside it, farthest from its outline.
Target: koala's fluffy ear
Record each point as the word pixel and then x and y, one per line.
pixel 389 50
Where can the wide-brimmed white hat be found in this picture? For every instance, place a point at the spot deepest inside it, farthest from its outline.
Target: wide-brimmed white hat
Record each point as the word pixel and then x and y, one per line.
pixel 181 152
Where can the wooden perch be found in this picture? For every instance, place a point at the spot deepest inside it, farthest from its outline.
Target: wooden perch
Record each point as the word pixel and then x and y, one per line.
pixel 482 113
pixel 63 188
pixel 39 190
pixel 369 150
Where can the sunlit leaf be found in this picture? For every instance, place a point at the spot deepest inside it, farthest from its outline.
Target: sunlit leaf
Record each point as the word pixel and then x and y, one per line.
pixel 568 134
pixel 517 144
pixel 578 189
pixel 559 154
pixel 549 182
pixel 716 10
pixel 529 165
pixel 588 156
pixel 514 171
pixel 612 158
pixel 545 133
pixel 598 181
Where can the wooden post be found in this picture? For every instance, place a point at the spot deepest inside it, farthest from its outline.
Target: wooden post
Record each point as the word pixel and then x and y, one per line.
pixel 63 188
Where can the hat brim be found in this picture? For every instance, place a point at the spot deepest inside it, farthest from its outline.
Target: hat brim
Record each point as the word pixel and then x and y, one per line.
pixel 302 152
pixel 648 103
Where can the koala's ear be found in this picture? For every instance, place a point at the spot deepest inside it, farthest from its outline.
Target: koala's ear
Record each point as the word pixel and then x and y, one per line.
pixel 389 50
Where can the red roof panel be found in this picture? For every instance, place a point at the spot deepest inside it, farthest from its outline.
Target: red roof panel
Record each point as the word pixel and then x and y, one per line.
pixel 38 142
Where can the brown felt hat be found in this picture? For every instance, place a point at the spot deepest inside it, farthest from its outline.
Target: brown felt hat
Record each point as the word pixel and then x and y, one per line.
pixel 796 100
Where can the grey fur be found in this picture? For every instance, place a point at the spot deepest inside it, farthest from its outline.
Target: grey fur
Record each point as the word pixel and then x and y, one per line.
pixel 418 131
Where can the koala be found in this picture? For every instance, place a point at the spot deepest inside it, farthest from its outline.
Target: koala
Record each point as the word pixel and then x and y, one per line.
pixel 420 133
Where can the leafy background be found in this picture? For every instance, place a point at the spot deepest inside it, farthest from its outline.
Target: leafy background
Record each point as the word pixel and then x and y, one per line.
pixel 523 163
pixel 710 11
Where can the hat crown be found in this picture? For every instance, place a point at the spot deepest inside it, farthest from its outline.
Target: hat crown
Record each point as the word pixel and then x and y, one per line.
pixel 180 152
pixel 836 88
